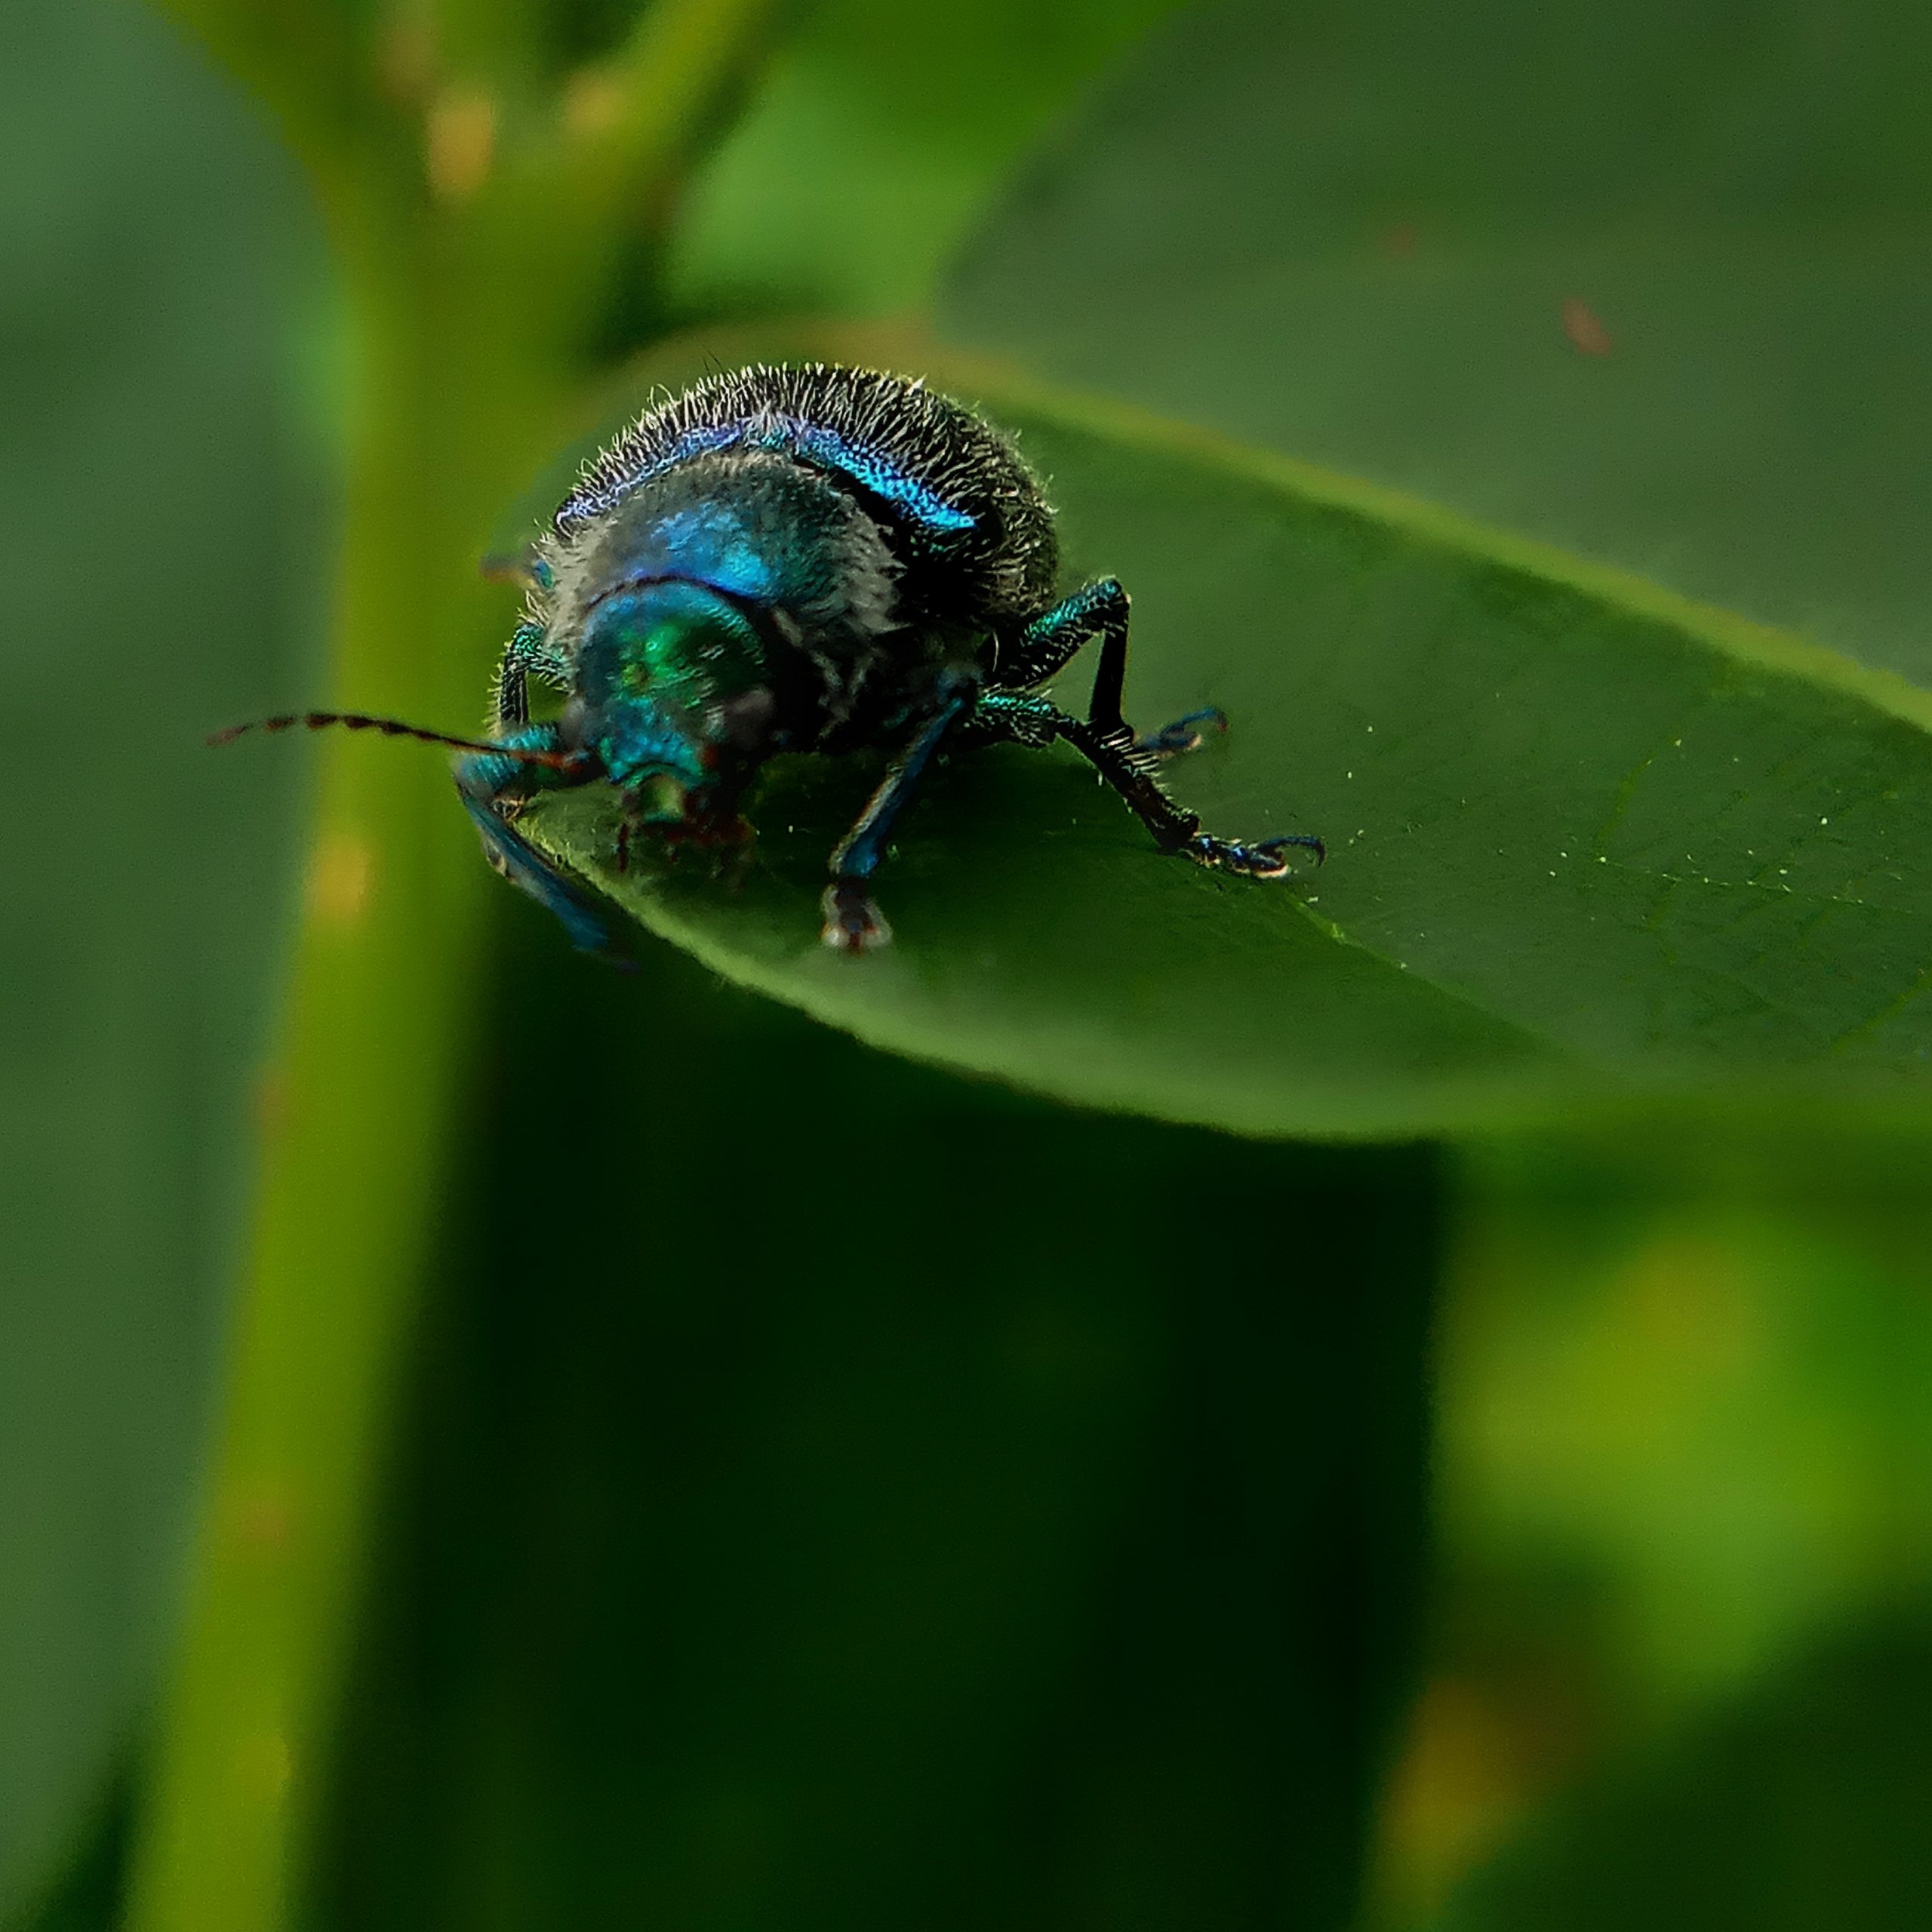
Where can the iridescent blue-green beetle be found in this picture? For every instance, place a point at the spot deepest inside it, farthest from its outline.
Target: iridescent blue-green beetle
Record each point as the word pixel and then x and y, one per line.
pixel 805 559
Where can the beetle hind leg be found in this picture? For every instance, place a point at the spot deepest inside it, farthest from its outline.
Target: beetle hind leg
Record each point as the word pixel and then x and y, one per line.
pixel 1128 763
pixel 1047 645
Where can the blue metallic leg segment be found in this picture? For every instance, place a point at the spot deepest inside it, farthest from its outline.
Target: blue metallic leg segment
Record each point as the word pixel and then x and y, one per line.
pixel 853 923
pixel 528 655
pixel 491 788
pixel 1014 718
pixel 1050 641
pixel 1184 734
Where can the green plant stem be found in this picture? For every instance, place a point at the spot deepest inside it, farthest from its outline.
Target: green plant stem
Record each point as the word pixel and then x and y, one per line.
pixel 298 58
pixel 464 366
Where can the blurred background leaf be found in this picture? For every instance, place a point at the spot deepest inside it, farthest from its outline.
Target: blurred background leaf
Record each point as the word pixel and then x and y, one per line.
pixel 1681 1483
pixel 1703 1376
pixel 875 141
pixel 1649 282
pixel 1803 1803
pixel 165 516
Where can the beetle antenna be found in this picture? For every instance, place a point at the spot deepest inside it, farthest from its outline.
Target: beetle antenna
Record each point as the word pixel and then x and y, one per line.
pixel 392 728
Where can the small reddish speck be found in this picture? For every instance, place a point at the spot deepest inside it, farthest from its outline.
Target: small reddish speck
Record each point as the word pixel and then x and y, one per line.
pixel 1584 327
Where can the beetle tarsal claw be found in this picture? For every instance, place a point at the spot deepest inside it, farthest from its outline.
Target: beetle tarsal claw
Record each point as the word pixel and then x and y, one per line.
pixel 853 921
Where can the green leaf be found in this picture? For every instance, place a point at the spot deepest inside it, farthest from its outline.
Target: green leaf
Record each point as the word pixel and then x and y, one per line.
pixel 1651 282
pixel 1584 837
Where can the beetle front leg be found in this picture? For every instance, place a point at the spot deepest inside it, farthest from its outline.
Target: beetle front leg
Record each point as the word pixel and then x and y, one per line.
pixel 492 787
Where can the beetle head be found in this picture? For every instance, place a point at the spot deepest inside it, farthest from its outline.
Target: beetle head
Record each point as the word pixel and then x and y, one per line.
pixel 670 693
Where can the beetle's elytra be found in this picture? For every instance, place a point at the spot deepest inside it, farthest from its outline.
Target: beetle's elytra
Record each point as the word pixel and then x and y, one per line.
pixel 800 559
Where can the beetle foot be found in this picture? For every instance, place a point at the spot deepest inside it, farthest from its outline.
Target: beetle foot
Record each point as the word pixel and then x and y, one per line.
pixel 1264 858
pixel 853 921
pixel 1184 734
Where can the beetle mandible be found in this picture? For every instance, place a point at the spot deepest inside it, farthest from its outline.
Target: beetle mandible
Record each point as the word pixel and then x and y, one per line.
pixel 810 559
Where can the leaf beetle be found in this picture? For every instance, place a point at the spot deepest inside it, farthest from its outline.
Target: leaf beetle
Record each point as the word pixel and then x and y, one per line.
pixel 799 558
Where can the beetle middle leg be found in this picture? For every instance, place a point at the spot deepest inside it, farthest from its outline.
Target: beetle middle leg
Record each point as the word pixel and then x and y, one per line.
pixel 1047 645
